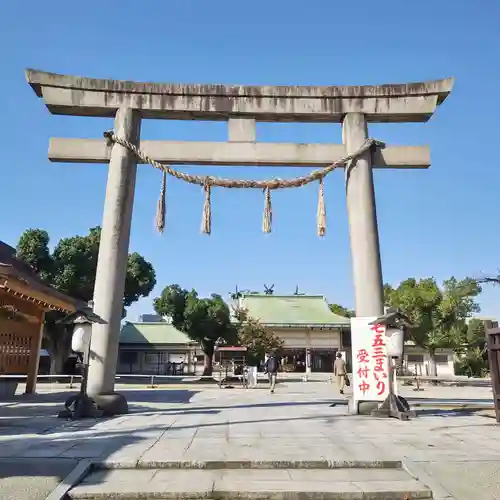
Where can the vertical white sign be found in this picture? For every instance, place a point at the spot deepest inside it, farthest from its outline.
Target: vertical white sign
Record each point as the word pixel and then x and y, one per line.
pixel 370 364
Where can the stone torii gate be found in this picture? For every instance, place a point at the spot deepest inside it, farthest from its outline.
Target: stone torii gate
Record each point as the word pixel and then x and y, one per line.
pixel 241 106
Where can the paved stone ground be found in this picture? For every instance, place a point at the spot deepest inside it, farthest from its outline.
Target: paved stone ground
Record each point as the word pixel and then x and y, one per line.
pixel 32 479
pixel 459 450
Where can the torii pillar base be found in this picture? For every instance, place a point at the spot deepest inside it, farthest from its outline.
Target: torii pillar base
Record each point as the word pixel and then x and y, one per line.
pixel 112 403
pixel 103 405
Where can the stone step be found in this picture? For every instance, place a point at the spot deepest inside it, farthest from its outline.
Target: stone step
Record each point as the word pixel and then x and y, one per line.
pixel 249 464
pixel 254 484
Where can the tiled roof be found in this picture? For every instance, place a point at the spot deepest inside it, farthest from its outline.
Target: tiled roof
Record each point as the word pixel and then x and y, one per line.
pixel 13 268
pixel 292 310
pixel 152 333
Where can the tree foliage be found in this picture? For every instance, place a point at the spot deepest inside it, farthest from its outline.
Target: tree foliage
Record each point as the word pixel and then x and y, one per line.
pixel 473 363
pixel 257 338
pixel 71 269
pixel 203 320
pixel 439 314
pixel 474 335
pixel 472 351
pixel 342 311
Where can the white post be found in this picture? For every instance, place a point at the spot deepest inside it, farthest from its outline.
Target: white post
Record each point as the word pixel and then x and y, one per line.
pixel 363 231
pixel 113 255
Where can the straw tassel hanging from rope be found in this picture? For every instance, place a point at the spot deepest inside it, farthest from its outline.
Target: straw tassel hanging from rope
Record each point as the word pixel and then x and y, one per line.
pixel 321 213
pixel 267 185
pixel 206 222
pixel 268 211
pixel 161 208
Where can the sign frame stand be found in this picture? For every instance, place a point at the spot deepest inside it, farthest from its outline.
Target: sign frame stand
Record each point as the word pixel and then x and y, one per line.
pixel 393 406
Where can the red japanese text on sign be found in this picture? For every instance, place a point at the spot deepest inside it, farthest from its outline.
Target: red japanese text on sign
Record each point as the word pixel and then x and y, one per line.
pixel 364 387
pixel 380 387
pixel 362 356
pixel 379 353
pixel 370 362
pixel 363 371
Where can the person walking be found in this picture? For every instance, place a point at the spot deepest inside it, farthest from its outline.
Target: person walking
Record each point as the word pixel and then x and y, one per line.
pixel 272 366
pixel 339 370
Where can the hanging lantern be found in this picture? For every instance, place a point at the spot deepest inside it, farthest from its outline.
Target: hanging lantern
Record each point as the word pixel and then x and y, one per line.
pixel 82 333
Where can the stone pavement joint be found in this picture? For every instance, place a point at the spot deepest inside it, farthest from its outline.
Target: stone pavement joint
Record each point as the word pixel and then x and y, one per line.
pixel 417 472
pixel 82 469
pixel 283 484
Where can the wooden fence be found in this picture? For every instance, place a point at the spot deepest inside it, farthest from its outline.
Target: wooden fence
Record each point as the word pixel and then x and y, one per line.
pixel 493 344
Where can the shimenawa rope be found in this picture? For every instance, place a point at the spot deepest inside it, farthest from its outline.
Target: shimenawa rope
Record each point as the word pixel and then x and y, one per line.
pixel 207 182
pixel 161 208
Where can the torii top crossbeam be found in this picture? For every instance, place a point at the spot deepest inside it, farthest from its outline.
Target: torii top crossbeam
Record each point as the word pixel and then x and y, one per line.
pixel 74 95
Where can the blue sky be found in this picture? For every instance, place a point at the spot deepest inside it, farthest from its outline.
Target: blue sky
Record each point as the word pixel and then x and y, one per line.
pixel 439 222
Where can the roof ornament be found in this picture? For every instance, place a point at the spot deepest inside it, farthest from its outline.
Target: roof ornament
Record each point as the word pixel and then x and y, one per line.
pixel 268 290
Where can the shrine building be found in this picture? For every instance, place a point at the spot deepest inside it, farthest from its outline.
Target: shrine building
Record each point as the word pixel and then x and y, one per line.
pixel 311 332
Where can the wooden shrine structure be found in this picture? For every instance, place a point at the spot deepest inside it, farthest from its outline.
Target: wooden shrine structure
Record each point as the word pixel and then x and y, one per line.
pixel 24 300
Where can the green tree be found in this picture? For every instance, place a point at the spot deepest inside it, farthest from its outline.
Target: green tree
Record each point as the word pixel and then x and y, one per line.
pixel 342 311
pixel 475 334
pixel 472 363
pixel 203 320
pixel 71 269
pixel 472 353
pixel 438 314
pixel 257 338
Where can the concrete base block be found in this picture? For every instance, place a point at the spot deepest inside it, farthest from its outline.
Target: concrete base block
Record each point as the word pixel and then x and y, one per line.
pixel 352 407
pixel 361 407
pixel 366 407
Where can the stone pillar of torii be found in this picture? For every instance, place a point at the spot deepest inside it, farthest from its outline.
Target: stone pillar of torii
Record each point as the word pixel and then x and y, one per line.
pixel 241 106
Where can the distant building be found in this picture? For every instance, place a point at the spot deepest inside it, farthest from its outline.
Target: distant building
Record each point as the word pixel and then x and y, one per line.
pixel 418 361
pixel 311 332
pixel 312 335
pixel 157 348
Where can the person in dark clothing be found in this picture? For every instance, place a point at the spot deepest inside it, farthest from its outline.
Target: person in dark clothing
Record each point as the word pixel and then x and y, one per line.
pixel 272 366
